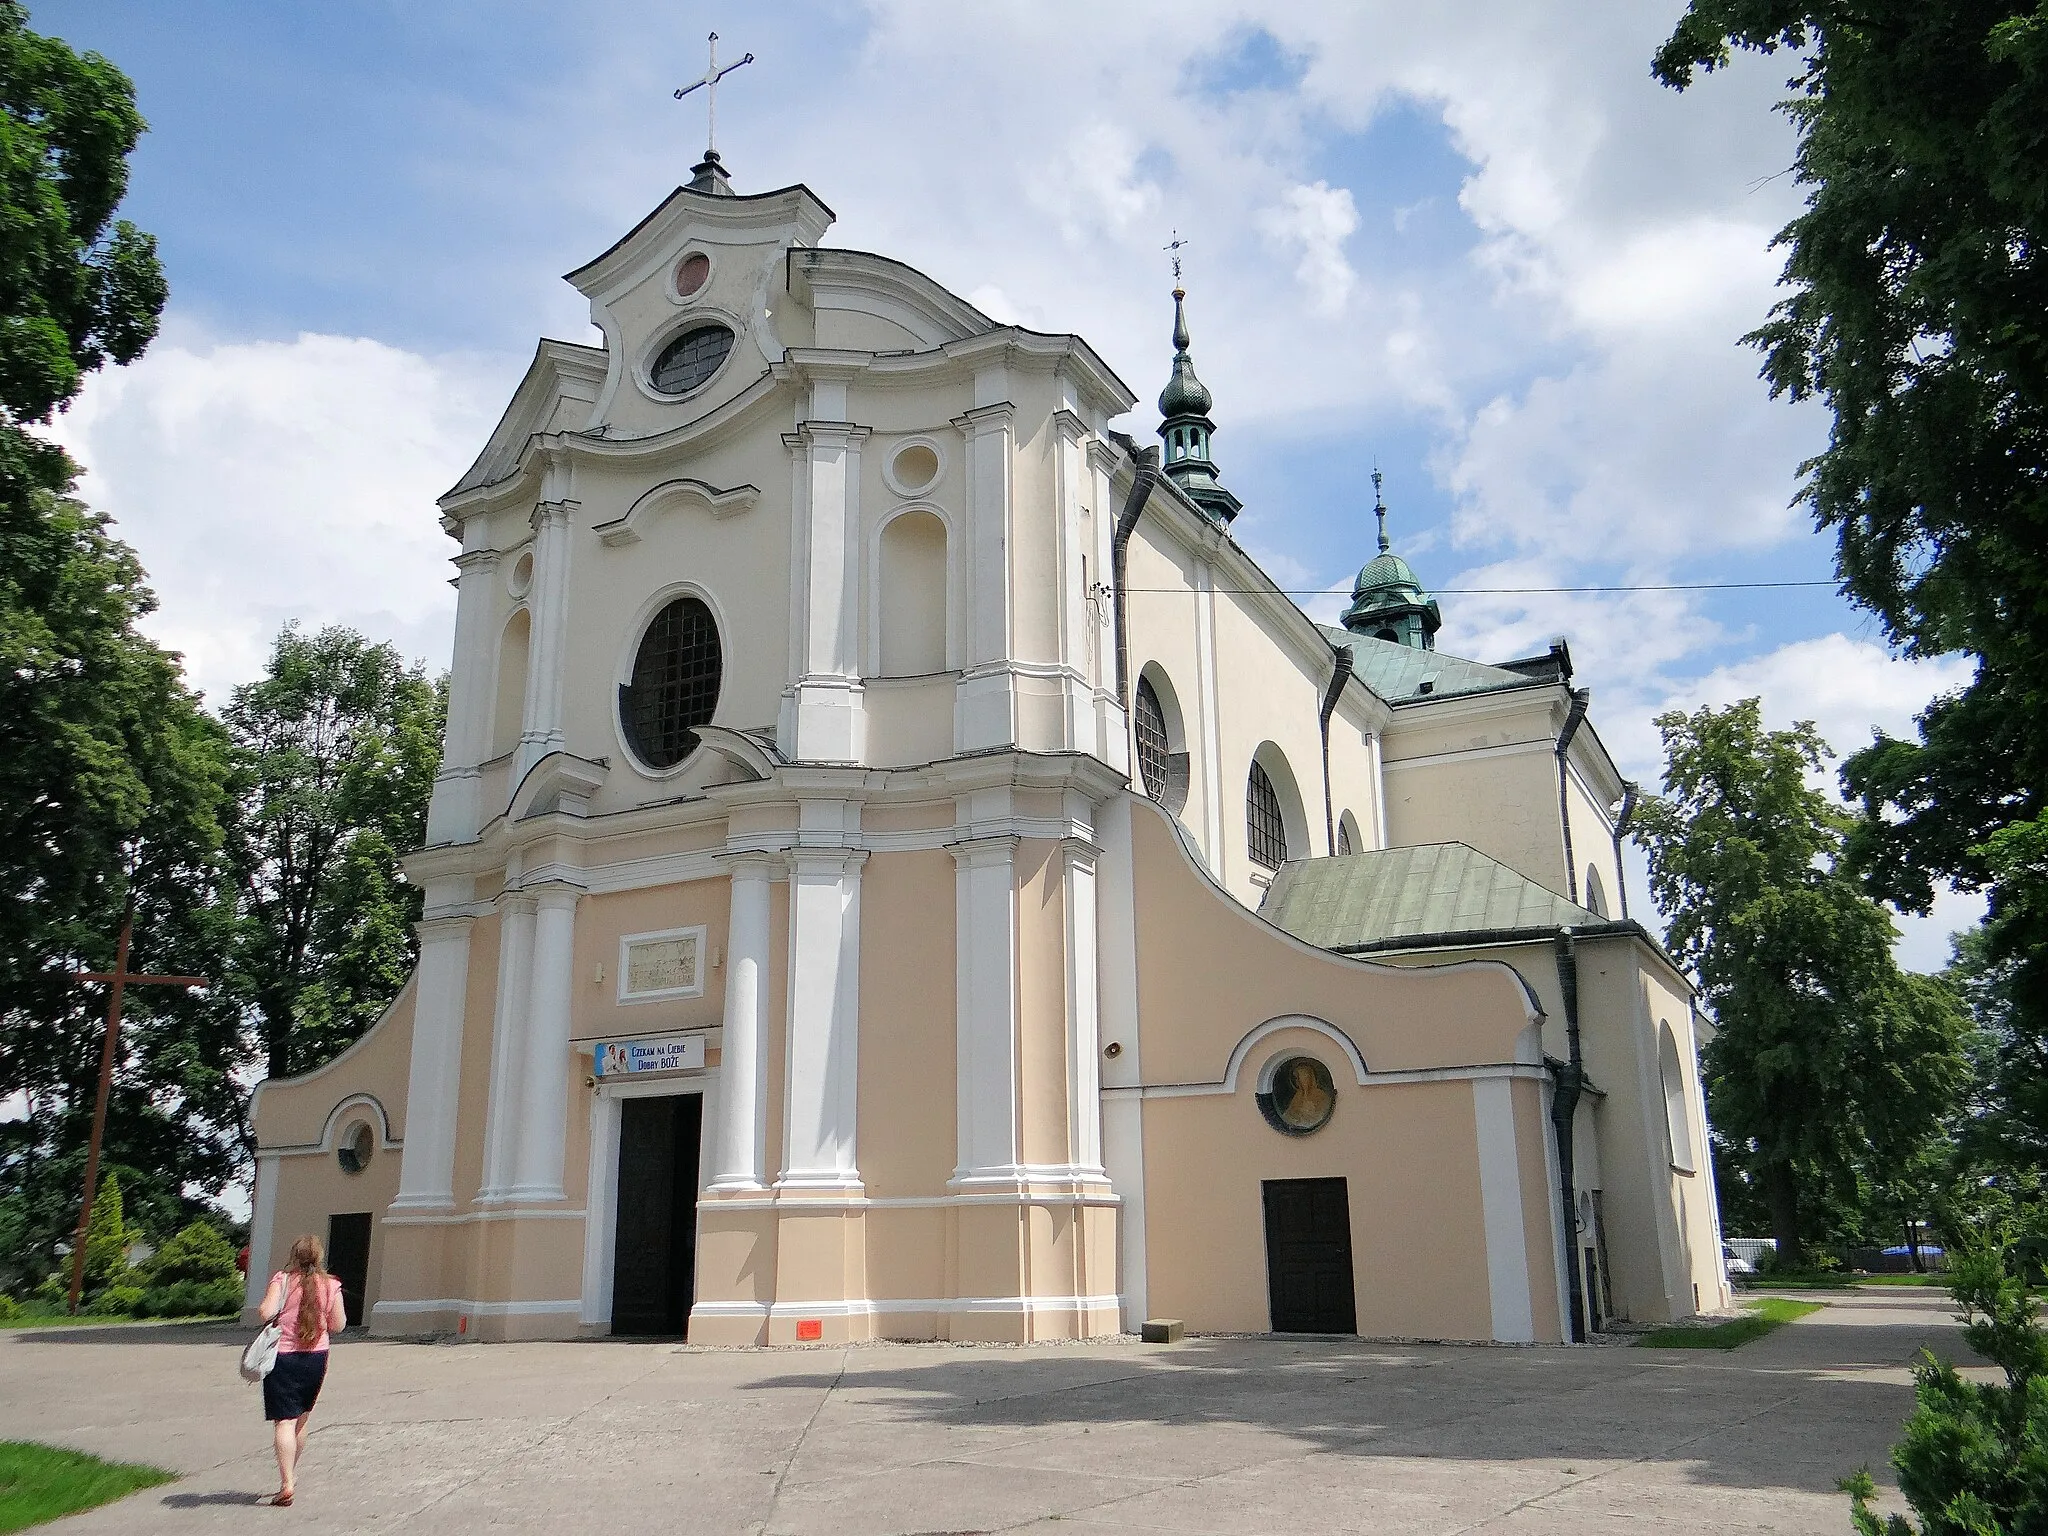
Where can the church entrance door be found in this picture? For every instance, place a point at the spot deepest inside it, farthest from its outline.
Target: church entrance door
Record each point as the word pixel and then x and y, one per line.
pixel 1308 1256
pixel 348 1260
pixel 654 1265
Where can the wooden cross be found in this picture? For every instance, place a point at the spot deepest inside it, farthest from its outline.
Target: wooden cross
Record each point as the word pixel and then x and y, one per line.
pixel 119 980
pixel 709 80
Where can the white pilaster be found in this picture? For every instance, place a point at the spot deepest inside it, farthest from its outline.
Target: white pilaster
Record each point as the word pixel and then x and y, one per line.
pixel 1072 514
pixel 1206 699
pixel 743 1085
pixel 262 1230
pixel 548 603
pixel 508 1042
pixel 1084 1048
pixel 985 894
pixel 455 812
pixel 1379 793
pixel 1123 1115
pixel 426 1176
pixel 1500 1202
pixel 828 721
pixel 821 1084
pixel 985 705
pixel 1112 738
pixel 544 1074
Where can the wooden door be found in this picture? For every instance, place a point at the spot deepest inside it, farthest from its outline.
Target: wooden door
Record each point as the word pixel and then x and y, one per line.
pixel 655 1241
pixel 1308 1256
pixel 348 1260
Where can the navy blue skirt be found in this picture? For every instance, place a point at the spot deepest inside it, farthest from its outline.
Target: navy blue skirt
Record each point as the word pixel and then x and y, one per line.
pixel 293 1385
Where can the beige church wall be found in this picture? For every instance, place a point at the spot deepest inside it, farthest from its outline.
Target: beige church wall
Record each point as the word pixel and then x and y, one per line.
pixel 735 1262
pixel 1210 972
pixel 295 1111
pixel 1163 633
pixel 1536 1161
pixel 910 720
pixel 906 1141
pixel 1354 774
pixel 312 1187
pixel 906 1261
pixel 1403 1149
pixel 1042 1004
pixel 1504 806
pixel 603 920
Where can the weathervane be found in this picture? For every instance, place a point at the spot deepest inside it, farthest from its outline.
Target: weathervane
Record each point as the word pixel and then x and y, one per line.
pixel 1174 245
pixel 709 80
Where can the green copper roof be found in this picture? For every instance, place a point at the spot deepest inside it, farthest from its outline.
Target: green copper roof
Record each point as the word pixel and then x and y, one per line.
pixel 1384 571
pixel 1435 889
pixel 1396 672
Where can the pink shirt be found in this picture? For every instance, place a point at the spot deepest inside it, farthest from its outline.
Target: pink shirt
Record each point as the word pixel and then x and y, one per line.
pixel 288 1317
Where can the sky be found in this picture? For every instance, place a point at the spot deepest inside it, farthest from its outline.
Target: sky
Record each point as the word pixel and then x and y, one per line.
pixel 1472 243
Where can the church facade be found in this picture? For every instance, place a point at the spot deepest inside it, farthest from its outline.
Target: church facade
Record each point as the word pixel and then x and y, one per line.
pixel 900 870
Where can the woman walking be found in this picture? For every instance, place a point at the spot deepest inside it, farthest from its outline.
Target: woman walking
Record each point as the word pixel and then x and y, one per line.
pixel 305 1302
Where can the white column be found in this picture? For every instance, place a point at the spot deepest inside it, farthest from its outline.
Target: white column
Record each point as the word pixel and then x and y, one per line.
pixel 743 1086
pixel 984 711
pixel 821 1085
pixel 262 1230
pixel 508 1042
pixel 829 723
pixel 426 1174
pixel 1123 1111
pixel 1084 1049
pixel 985 893
pixel 548 604
pixel 454 814
pixel 544 1075
pixel 1500 1203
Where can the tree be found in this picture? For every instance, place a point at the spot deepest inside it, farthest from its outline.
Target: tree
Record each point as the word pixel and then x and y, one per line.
pixel 1826 1055
pixel 1918 312
pixel 335 751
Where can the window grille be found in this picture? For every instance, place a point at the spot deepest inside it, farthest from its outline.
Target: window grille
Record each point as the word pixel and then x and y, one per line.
pixel 691 359
pixel 675 684
pixel 1343 837
pixel 1153 746
pixel 1265 832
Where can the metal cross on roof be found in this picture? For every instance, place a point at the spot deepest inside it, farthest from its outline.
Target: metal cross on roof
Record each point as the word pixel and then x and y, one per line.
pixel 1174 245
pixel 709 80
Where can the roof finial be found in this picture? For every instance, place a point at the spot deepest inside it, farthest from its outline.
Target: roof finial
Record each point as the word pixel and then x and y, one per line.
pixel 1379 507
pixel 709 174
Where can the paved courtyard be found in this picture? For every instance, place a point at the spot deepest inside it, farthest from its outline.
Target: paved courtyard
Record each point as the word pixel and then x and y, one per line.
pixel 1211 1435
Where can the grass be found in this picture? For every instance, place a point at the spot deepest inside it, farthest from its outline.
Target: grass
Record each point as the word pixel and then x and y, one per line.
pixel 1765 1313
pixel 40 1482
pixel 59 1318
pixel 1826 1280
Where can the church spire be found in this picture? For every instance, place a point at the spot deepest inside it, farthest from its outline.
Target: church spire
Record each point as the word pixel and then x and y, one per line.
pixel 1387 601
pixel 1185 426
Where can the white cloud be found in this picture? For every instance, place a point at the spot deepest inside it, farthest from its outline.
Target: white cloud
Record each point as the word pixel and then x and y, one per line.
pixel 263 482
pixel 1317 220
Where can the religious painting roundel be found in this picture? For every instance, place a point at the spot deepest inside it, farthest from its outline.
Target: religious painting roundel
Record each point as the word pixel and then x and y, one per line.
pixel 674 688
pixel 1302 1097
pixel 688 362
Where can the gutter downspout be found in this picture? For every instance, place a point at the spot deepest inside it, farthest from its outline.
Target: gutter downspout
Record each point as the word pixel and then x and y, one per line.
pixel 1147 462
pixel 1581 698
pixel 1629 793
pixel 1569 1079
pixel 1338 678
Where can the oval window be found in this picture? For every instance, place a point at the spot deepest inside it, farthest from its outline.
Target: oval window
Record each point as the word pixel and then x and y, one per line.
pixel 676 674
pixel 688 362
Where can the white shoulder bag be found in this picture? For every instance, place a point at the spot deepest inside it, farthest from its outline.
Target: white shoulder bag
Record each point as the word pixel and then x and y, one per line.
pixel 261 1354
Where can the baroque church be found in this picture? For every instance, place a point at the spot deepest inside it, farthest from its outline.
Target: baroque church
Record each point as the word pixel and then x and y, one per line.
pixel 900 870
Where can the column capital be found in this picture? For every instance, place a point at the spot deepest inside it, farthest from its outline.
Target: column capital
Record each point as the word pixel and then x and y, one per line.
pixel 980 852
pixel 442 929
pixel 826 861
pixel 826 434
pixel 554 895
pixel 476 560
pixel 553 513
pixel 1068 425
pixel 753 863
pixel 1079 852
pixel 986 418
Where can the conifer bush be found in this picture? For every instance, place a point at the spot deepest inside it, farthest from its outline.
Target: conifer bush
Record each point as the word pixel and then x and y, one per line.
pixel 1974 1460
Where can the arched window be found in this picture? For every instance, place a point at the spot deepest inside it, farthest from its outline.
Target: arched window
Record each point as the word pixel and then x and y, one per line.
pixel 676 674
pixel 508 709
pixel 1677 1123
pixel 913 591
pixel 1348 840
pixel 1596 893
pixel 1264 829
pixel 1162 753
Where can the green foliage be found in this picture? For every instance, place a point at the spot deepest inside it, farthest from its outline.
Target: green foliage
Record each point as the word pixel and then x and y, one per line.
pixel 107 1236
pixel 1917 311
pixel 9 1308
pixel 40 1483
pixel 1828 1059
pixel 1765 1314
pixel 335 751
pixel 116 1301
pixel 1974 1460
pixel 188 1298
pixel 77 287
pixel 199 1254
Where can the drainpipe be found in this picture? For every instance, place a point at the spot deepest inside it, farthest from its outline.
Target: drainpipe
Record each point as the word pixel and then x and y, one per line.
pixel 1569 1080
pixel 1338 678
pixel 1581 697
pixel 1629 791
pixel 1147 462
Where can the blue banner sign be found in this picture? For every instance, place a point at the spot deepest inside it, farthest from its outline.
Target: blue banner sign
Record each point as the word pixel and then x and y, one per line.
pixel 623 1058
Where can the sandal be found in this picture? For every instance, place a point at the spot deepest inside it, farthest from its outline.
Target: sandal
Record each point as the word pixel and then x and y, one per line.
pixel 280 1500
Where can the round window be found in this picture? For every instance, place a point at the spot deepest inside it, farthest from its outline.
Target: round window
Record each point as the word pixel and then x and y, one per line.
pixel 676 674
pixel 690 360
pixel 1301 1099
pixel 521 578
pixel 358 1146
pixel 691 273
pixel 914 468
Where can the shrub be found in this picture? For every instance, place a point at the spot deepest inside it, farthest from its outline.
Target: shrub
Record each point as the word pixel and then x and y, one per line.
pixel 107 1236
pixel 117 1301
pixel 9 1308
pixel 1972 1459
pixel 199 1254
pixel 190 1298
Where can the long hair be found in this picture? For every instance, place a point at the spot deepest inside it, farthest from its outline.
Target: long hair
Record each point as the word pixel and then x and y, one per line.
pixel 309 1263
